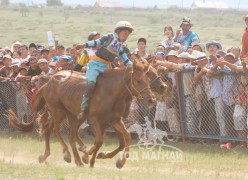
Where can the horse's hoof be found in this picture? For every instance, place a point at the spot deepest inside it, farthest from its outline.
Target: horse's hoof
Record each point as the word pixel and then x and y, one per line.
pixel 101 155
pixel 119 164
pixel 41 159
pixel 85 159
pixel 126 155
pixel 67 158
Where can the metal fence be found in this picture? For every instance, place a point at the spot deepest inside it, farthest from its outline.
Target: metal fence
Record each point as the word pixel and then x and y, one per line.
pixel 185 112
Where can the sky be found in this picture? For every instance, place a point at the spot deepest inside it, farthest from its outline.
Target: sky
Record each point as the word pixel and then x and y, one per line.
pixel 143 3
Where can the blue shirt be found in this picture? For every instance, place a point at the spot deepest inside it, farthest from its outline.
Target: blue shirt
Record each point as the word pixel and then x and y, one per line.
pixel 228 83
pixel 186 40
pixel 216 86
pixel 112 44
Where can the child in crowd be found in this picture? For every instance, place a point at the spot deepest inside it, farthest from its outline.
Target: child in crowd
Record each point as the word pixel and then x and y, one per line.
pixel 169 40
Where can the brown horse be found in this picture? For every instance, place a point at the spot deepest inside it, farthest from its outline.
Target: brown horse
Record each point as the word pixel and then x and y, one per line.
pixel 63 97
pixel 38 103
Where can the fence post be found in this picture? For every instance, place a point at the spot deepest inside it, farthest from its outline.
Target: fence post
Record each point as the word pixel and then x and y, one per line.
pixel 181 104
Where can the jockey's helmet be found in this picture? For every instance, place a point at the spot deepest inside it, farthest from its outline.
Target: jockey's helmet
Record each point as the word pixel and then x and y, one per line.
pixel 124 25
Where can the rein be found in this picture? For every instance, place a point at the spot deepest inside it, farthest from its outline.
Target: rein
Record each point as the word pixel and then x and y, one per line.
pixel 139 96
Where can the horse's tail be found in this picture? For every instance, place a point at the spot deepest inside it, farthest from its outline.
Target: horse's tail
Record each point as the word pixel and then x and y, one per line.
pixel 14 122
pixel 44 123
pixel 37 103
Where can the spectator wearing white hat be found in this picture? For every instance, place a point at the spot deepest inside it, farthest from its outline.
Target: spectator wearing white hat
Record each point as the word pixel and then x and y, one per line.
pixel 213 105
pixel 45 74
pixel 172 56
pixel 244 52
pixel 229 83
pixel 185 36
pixel 16 46
pixel 15 68
pixel 44 66
pixel 184 63
pixel 198 47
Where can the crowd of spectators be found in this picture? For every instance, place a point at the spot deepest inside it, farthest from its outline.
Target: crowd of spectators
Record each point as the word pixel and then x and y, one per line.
pixel 214 80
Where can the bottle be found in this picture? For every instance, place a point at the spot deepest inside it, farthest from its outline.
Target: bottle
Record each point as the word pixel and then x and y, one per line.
pixel 50 38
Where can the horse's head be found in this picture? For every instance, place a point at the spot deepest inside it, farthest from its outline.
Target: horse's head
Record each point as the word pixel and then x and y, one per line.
pixel 157 85
pixel 139 85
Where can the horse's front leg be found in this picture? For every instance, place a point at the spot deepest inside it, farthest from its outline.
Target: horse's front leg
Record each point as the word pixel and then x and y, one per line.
pixel 98 142
pixel 108 155
pixel 124 138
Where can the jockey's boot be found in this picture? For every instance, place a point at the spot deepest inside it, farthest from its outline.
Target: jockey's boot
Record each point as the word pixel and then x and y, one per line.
pixel 86 99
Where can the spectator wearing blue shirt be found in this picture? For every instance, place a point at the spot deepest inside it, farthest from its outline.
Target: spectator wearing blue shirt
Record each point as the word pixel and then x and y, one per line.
pixel 185 36
pixel 229 84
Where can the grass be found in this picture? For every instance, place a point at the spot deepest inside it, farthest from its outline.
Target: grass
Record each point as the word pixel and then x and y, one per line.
pixel 19 153
pixel 73 26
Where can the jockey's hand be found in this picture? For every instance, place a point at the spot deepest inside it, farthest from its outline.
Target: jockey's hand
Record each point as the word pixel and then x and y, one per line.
pixel 129 63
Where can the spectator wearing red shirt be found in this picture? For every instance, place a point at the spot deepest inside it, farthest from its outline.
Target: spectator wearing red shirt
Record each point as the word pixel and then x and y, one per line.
pixel 244 52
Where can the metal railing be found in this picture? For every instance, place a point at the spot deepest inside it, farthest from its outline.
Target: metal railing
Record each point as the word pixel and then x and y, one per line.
pixel 186 111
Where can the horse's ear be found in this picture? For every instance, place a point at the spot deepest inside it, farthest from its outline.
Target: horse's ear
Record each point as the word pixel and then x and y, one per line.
pixel 134 66
pixel 147 68
pixel 133 58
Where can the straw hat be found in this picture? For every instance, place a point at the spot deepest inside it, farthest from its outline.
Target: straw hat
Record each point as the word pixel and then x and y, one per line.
pixel 186 20
pixel 245 17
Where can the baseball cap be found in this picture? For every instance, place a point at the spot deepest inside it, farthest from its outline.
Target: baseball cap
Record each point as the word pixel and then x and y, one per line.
pixel 42 61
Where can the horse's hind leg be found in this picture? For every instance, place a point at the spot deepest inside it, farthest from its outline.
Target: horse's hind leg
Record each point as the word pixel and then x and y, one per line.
pixel 47 134
pixel 82 147
pixel 58 117
pixel 73 135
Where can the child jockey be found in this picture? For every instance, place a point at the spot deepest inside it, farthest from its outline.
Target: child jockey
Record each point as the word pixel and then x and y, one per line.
pixel 110 47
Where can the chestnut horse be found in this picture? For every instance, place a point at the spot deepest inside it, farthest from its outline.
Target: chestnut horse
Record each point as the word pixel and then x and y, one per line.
pixel 38 103
pixel 113 88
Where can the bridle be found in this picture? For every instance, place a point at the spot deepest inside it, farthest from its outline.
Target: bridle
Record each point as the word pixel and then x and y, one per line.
pixel 157 78
pixel 139 96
